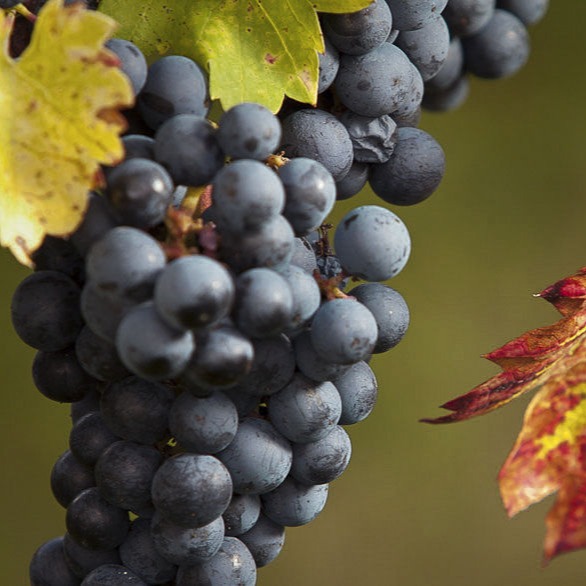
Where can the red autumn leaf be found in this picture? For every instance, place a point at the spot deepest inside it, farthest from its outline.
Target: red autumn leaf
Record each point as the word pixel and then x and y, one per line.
pixel 549 456
pixel 550 452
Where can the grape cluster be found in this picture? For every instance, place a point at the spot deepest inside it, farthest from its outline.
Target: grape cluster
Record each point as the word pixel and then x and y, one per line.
pixel 208 334
pixel 381 66
pixel 197 323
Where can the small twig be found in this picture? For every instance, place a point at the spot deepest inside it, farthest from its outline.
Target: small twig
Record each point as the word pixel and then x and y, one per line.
pixel 24 11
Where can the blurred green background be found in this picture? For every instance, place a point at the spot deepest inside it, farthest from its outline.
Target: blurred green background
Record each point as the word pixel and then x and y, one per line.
pixel 418 505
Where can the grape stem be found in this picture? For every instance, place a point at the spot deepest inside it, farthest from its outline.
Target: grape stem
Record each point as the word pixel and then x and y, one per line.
pixel 277 161
pixel 24 11
pixel 330 288
pixel 182 233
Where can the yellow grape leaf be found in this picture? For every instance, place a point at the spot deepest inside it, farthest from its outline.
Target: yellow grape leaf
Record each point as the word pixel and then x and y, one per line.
pixel 58 122
pixel 254 50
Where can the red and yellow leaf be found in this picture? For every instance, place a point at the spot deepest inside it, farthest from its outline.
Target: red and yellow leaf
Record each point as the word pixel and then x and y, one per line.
pixel 549 455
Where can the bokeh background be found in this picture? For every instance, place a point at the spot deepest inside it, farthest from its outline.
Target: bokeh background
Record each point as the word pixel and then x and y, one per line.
pixel 419 504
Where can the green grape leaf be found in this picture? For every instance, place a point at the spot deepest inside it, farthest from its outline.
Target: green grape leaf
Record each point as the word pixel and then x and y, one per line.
pixel 254 50
pixel 339 7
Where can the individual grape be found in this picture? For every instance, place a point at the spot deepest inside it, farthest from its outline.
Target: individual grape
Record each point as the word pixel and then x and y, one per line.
pixel 245 404
pixel 95 523
pixel 409 116
pixel 222 357
pixel 97 221
pixel 264 303
pixel 427 47
pixel 305 410
pixel 138 146
pixel 112 575
pixel 409 15
pixel 311 364
pixel 98 357
pixel 499 49
pixel 48 566
pixel 354 181
pixel 137 410
pixel 359 32
pixel 413 172
pixel 175 85
pixel 242 513
pixel 264 541
pixel 124 472
pixel 232 564
pixel 204 425
pixel 60 377
pixel 57 254
pixel 139 555
pixel 343 331
pixel 69 477
pixel 135 123
pixel 247 194
pixel 449 72
pixel 258 458
pixel 329 267
pixel 140 191
pixel 132 62
pixel 372 243
pixel 322 461
pixel 527 11
pixel 187 147
pixel 150 348
pixel 329 62
pixel 82 561
pixel 467 17
pixel 318 135
pixel 293 504
pixel 390 312
pixel 185 546
pixel 449 98
pixel 89 437
pixel 103 313
pixel 409 112
pixel 393 35
pixel 373 139
pixel 191 490
pixel 358 391
pixel 375 84
pixel 45 311
pixel 272 367
pixel 310 194
pixel 303 256
pixel 249 131
pixel 89 404
pixel 270 246
pixel 306 296
pixel 194 292
pixel 124 264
